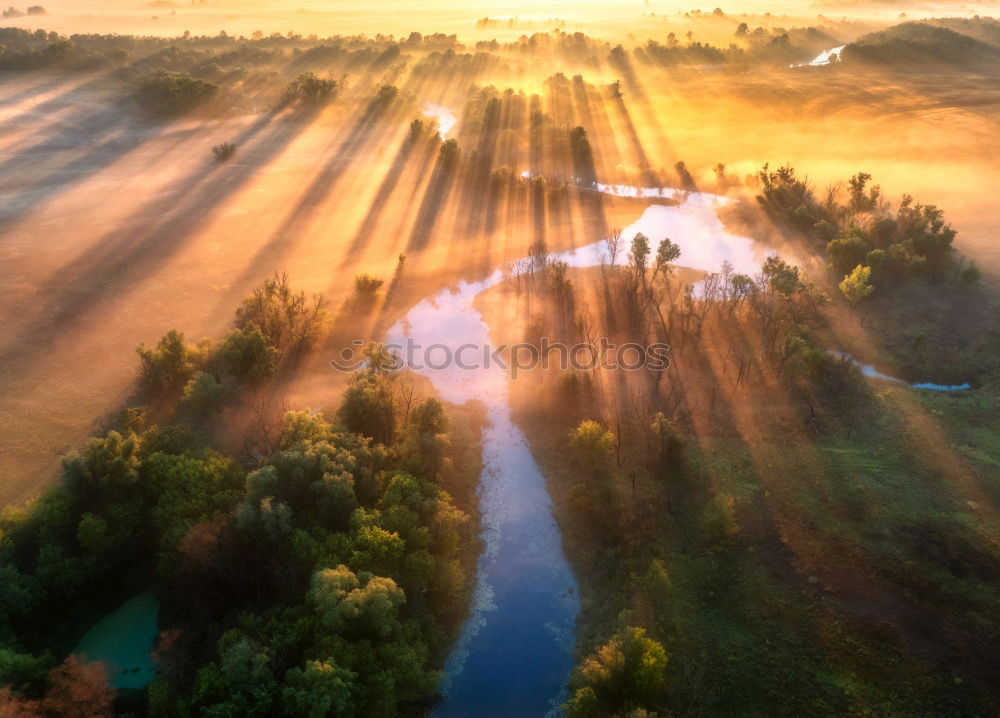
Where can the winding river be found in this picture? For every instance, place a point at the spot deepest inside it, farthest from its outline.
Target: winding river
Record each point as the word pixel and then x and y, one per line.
pixel 515 650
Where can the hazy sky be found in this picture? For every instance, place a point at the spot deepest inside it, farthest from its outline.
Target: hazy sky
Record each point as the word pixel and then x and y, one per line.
pixel 323 17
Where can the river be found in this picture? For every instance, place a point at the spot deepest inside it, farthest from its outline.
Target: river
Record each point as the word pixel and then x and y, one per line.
pixel 515 650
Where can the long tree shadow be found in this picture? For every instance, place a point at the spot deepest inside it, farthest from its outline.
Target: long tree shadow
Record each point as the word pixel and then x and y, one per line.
pixel 59 135
pixel 55 103
pixel 289 234
pixel 136 248
pixel 639 97
pixel 647 176
pixel 446 167
pixel 38 88
pixel 385 190
pixel 61 179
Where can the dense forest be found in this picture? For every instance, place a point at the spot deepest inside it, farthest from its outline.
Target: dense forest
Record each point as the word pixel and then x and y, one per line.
pixel 325 577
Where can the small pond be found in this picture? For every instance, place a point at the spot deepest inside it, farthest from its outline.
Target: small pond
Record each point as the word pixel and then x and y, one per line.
pixel 123 641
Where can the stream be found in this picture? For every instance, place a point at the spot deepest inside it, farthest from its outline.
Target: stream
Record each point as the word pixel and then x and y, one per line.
pixel 515 650
pixel 824 58
pixel 872 373
pixel 514 653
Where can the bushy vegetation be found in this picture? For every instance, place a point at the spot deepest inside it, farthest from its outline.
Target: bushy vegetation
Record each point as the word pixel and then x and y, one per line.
pixel 327 577
pixel 860 226
pixel 623 677
pixel 273 326
pixel 172 93
pixel 224 151
pixel 896 263
pixel 724 506
pixel 311 89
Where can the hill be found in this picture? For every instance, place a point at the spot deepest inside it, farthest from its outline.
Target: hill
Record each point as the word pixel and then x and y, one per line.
pixel 920 43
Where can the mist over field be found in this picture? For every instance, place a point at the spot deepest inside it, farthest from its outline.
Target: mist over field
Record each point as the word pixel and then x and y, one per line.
pixel 456 359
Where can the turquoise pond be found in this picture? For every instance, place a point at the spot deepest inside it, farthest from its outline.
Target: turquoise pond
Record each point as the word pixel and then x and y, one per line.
pixel 123 640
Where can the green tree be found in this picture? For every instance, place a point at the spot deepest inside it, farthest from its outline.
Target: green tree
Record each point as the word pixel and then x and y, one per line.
pixel 626 673
pixel 638 257
pixel 428 441
pixel 666 253
pixel 848 251
pixel 103 469
pixel 358 604
pixel 314 478
pixel 248 355
pixel 592 445
pixel 319 690
pixel 924 229
pixel 368 407
pixel 780 276
pixel 92 533
pixel 241 683
pixel 856 286
pixel 170 363
pixel 204 393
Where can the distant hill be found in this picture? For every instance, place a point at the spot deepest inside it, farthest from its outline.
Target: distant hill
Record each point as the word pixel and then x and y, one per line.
pixel 986 29
pixel 920 43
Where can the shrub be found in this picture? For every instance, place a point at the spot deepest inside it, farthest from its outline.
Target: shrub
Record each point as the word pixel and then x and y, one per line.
pixel 170 362
pixel 311 89
pixel 172 93
pixel 287 319
pixel 203 393
pixel 366 288
pixel 224 151
pixel 248 355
